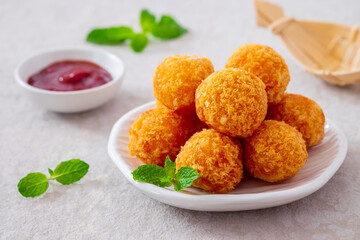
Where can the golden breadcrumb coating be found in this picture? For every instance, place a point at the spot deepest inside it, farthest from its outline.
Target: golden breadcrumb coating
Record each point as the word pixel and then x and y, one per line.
pixel 156 134
pixel 266 64
pixel 232 101
pixel 176 79
pixel 301 113
pixel 275 152
pixel 216 157
pixel 189 116
pixel 158 104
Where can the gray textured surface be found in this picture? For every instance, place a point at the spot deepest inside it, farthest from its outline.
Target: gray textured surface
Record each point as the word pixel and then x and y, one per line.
pixel 104 205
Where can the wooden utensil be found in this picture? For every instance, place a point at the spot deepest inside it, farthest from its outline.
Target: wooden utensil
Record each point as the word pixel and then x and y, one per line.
pixel 328 50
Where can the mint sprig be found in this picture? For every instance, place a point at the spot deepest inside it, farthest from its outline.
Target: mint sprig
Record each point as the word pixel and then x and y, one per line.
pixel 147 21
pixel 164 176
pixel 67 172
pixel 110 36
pixel 185 178
pixel 166 28
pixel 139 42
pixel 169 168
pixel 33 185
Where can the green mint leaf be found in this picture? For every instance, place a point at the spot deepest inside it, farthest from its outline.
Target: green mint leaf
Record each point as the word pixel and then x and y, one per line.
pixel 138 42
pixel 112 35
pixel 185 177
pixel 167 28
pixel 147 21
pixel 170 168
pixel 33 185
pixel 71 171
pixel 51 172
pixel 152 173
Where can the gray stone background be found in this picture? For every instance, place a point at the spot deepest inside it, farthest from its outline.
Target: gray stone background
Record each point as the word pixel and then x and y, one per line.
pixel 104 205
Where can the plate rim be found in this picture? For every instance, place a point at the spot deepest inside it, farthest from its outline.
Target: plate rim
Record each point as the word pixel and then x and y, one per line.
pixel 287 195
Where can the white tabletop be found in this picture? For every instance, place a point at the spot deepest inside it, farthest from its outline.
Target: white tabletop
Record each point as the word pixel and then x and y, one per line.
pixel 104 205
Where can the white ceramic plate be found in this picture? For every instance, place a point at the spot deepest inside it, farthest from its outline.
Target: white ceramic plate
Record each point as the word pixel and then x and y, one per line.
pixel 324 160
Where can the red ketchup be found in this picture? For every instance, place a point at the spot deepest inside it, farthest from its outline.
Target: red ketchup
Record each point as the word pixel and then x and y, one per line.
pixel 70 76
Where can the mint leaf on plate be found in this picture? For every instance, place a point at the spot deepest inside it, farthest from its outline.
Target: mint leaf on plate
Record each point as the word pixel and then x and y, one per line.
pixel 170 168
pixel 152 173
pixel 147 21
pixel 69 172
pixel 111 35
pixel 168 28
pixel 164 176
pixel 33 185
pixel 138 42
pixel 185 177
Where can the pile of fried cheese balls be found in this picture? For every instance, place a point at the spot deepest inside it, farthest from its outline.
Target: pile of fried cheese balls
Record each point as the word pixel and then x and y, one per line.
pixel 223 122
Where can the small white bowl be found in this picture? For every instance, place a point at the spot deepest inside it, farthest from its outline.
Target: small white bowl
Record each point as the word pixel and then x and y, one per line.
pixel 72 101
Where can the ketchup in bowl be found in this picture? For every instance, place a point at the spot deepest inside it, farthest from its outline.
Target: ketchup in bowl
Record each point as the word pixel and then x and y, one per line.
pixel 70 75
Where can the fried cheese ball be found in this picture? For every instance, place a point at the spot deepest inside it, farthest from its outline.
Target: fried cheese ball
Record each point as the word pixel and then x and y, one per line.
pixel 156 134
pixel 301 113
pixel 176 79
pixel 185 112
pixel 266 64
pixel 158 104
pixel 275 152
pixel 216 157
pixel 190 117
pixel 232 101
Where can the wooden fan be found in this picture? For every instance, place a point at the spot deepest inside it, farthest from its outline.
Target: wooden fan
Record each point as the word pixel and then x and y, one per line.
pixel 328 50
